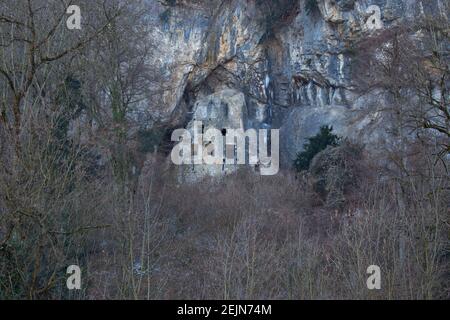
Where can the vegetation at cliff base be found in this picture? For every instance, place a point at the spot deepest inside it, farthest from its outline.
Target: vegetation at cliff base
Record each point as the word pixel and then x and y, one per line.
pixel 315 144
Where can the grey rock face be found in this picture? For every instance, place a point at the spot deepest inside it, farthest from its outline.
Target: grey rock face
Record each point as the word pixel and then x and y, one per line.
pixel 222 111
pixel 291 66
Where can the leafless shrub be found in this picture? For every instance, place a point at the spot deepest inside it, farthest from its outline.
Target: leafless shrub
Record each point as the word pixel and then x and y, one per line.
pixel 336 172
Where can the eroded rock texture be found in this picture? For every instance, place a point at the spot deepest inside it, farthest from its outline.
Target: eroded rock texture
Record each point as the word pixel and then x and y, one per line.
pixel 290 60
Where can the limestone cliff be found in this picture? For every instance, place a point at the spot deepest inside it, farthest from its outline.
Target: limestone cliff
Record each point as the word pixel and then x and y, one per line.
pixel 290 60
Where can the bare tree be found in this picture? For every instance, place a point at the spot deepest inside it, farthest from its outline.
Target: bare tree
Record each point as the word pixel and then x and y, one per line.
pixel 411 64
pixel 33 36
pixel 43 173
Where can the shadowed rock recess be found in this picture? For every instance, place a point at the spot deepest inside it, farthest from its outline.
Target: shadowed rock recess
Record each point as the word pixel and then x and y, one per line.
pixel 291 61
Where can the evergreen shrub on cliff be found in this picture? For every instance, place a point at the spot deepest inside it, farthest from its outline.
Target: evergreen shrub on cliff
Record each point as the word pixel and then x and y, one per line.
pixel 315 144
